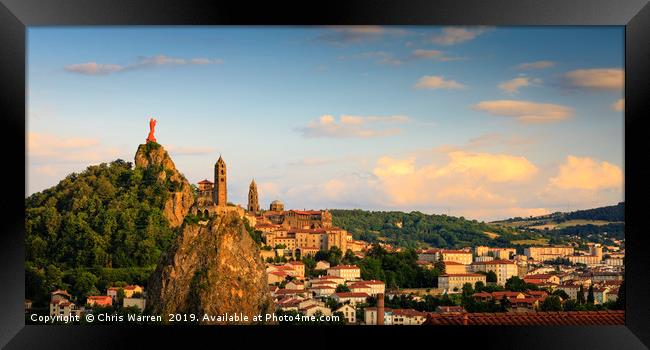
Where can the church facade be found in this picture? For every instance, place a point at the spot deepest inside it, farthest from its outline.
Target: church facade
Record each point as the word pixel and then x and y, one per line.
pixel 212 197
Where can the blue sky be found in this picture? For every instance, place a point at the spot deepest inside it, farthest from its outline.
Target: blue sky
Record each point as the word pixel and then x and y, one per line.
pixel 483 122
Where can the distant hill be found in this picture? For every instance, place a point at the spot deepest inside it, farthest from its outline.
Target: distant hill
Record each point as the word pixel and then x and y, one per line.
pixel 416 229
pixel 588 223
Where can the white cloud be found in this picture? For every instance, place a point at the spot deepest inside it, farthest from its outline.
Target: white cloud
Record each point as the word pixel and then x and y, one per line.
pixel 353 126
pixel 94 68
pixel 457 35
pixel 586 173
pixel 536 65
pixel 437 82
pixel 597 78
pixel 619 105
pixel 345 35
pixel 435 55
pixel 512 86
pixel 526 111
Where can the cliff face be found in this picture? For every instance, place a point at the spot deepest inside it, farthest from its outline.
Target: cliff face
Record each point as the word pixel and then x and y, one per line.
pixel 181 198
pixel 213 269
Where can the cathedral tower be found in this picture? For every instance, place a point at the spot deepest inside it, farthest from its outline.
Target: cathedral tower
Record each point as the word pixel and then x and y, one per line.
pixel 220 189
pixel 253 202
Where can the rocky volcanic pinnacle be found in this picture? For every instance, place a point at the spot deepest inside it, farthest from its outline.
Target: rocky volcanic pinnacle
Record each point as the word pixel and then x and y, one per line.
pixel 180 200
pixel 211 269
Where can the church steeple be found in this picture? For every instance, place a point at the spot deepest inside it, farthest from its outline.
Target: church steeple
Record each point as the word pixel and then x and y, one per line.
pixel 220 183
pixel 253 201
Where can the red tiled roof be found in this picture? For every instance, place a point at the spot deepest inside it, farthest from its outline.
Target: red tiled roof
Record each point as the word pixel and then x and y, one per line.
pixel 306 212
pixel 330 277
pixel 290 291
pixel 369 282
pixel 494 262
pixel 344 267
pixel 564 318
pixel 351 295
pixel 539 276
pixel 408 312
pixel 60 291
pixel 461 275
pixel 451 309
pixel 452 263
pixel 206 181
pixel 455 252
pixel 322 287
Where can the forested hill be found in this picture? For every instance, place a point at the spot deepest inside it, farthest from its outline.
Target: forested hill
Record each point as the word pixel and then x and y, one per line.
pixel 416 229
pixel 611 213
pixel 103 225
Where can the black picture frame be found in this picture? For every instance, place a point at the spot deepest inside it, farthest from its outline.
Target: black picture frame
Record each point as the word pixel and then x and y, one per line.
pixel 16 15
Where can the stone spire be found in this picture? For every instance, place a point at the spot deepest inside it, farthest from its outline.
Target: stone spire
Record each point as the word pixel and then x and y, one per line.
pixel 253 201
pixel 220 183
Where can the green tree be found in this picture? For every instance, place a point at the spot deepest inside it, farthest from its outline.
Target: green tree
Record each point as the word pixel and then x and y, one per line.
pixel 580 297
pixel 590 295
pixel 491 277
pixel 620 297
pixel 440 265
pixel 515 284
pixel 561 293
pixel 479 286
pixel 552 303
pixel 54 277
pixel 120 296
pixel 341 288
pixel 84 284
pixel 467 290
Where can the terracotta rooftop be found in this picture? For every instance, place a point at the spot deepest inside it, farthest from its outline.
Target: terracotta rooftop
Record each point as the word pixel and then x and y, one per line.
pixel 570 318
pixel 344 267
pixel 493 262
pixel 206 181
pixel 408 312
pixel 306 212
pixel 352 295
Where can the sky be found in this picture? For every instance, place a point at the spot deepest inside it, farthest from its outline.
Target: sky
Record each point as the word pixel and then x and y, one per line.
pixel 481 122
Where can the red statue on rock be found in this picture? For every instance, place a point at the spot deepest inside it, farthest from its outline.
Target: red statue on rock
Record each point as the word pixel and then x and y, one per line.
pixel 152 129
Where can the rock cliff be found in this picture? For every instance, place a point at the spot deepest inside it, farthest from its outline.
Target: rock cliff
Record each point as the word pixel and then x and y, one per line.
pixel 213 269
pixel 154 156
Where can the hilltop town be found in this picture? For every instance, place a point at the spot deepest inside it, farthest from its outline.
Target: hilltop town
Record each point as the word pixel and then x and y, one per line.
pixel 314 268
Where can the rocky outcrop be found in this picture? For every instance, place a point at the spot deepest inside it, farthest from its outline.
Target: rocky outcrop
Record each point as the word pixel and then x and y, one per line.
pixel 181 199
pixel 214 269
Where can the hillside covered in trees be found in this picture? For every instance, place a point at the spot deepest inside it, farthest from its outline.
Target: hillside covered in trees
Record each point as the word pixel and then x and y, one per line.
pixel 103 225
pixel 416 229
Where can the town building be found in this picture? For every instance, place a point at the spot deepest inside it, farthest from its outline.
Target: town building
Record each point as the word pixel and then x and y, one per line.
pixel 139 303
pixel 408 317
pixel 352 297
pixel 347 272
pixel 452 267
pixel 322 265
pixel 504 269
pixel 99 300
pixel 451 283
pixel 349 312
pixel 548 253
pixel 253 201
